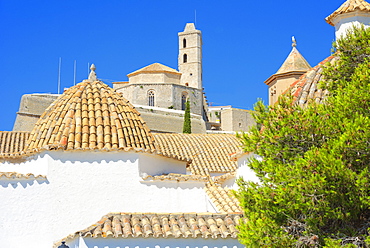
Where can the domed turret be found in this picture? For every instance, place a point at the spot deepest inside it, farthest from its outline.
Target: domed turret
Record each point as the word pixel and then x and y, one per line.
pixel 293 67
pixel 350 13
pixel 91 115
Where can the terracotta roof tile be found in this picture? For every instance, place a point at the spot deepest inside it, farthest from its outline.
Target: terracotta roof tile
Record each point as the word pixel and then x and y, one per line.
pixel 91 115
pixel 177 178
pixel 347 7
pixel 222 178
pixel 197 148
pixel 208 152
pixel 306 87
pixel 162 225
pixel 222 198
pixel 155 68
pixel 12 142
pixel 16 175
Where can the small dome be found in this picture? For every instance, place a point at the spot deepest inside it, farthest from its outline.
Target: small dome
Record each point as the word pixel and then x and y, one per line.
pixel 91 115
pixel 306 88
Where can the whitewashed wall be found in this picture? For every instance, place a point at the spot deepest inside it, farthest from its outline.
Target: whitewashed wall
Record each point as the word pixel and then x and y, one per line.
pixel 154 243
pixel 345 22
pixel 243 171
pixel 80 188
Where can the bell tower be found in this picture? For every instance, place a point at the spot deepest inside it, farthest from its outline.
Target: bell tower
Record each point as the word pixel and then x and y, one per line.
pixel 190 56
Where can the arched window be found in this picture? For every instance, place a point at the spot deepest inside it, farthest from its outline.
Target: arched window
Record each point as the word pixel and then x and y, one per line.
pixel 185 58
pixel 184 98
pixel 151 98
pixel 184 43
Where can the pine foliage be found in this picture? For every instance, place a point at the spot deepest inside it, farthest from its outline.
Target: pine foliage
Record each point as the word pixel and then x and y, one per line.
pixel 314 188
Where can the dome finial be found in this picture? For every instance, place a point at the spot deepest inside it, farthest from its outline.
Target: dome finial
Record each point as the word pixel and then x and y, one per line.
pixel 294 42
pixel 92 75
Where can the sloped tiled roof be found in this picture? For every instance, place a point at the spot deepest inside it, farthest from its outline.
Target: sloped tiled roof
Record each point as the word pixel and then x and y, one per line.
pixel 177 178
pixel 197 148
pixel 16 175
pixel 348 7
pixel 208 152
pixel 12 142
pixel 306 87
pixel 163 225
pixel 155 68
pixel 91 115
pixel 222 198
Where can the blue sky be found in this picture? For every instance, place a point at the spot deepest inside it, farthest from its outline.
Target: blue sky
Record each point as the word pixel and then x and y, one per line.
pixel 244 42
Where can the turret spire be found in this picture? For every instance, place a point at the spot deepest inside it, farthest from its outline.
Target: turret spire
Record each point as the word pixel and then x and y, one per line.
pixel 294 42
pixel 293 67
pixel 92 75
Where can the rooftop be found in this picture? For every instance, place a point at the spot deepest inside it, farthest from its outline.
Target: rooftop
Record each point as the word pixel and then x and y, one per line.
pixel 294 62
pixel 210 153
pixel 91 115
pixel 306 87
pixel 155 68
pixel 165 225
pixel 348 7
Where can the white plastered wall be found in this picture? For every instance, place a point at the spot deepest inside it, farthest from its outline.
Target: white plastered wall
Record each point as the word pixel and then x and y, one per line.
pixel 345 22
pixel 155 243
pixel 81 187
pixel 243 171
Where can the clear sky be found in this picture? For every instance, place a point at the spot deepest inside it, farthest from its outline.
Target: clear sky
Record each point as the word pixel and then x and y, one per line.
pixel 244 42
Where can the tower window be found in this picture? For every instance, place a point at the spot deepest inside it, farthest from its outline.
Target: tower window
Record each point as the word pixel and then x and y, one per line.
pixel 184 98
pixel 151 98
pixel 184 43
pixel 185 58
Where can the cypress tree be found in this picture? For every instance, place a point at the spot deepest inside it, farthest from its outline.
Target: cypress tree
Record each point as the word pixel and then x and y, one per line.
pixel 187 120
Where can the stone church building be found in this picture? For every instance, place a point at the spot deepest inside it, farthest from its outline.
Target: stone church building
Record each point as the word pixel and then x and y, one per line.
pixel 88 170
pixel 159 93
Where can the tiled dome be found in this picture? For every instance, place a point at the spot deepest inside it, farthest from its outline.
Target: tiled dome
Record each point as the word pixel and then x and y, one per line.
pixel 306 88
pixel 91 115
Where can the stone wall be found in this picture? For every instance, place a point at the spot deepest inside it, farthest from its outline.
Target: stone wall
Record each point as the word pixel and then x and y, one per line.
pixel 167 120
pixel 158 119
pixel 30 109
pixel 151 78
pixel 236 120
pixel 167 96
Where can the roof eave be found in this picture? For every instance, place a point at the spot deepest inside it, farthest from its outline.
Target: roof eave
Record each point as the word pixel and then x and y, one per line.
pixel 284 74
pixel 152 72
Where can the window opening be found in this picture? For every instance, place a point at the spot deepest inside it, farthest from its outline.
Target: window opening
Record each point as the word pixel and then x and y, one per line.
pixel 185 58
pixel 184 98
pixel 184 43
pixel 151 98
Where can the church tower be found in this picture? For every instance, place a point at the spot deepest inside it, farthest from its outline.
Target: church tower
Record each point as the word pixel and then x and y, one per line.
pixel 190 56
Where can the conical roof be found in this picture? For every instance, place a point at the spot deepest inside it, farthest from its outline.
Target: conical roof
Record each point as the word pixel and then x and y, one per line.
pixel 294 62
pixel 347 7
pixel 155 68
pixel 91 115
